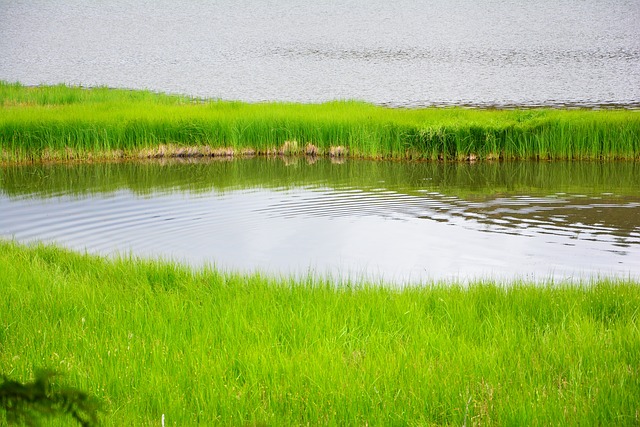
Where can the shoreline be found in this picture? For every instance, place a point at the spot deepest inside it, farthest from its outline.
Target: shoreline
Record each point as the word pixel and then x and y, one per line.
pixel 487 105
pixel 60 123
pixel 140 335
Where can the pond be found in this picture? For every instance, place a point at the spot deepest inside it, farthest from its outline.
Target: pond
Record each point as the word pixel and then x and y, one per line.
pixel 399 222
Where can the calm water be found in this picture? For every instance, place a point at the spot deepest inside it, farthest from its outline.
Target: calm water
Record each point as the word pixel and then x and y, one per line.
pixel 402 52
pixel 401 222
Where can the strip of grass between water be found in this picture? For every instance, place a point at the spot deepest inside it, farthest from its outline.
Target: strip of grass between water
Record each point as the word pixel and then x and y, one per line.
pixel 152 338
pixel 63 123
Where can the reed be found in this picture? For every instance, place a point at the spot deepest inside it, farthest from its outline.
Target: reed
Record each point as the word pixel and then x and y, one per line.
pixel 153 339
pixel 62 123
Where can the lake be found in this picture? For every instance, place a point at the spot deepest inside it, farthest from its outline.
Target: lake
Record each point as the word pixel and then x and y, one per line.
pixel 400 222
pixel 398 53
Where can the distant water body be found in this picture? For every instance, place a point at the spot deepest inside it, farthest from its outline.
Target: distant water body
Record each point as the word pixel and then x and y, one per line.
pixel 398 53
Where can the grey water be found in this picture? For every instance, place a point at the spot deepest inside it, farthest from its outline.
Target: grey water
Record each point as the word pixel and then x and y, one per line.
pixel 398 53
pixel 393 222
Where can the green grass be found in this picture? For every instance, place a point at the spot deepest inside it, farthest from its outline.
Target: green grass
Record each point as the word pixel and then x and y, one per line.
pixel 59 122
pixel 152 338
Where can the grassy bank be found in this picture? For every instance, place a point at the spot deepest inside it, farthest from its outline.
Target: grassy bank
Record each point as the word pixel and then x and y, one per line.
pixel 60 123
pixel 150 338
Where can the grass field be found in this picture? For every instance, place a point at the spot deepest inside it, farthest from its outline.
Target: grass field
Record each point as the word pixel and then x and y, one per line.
pixel 150 338
pixel 62 123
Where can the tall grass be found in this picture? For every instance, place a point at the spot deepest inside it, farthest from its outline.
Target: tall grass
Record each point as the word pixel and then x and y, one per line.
pixel 151 338
pixel 59 122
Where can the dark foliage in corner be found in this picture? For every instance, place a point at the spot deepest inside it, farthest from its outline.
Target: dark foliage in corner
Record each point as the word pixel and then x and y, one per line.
pixel 28 403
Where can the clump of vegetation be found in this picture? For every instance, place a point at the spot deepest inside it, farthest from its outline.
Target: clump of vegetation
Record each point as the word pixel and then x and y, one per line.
pixel 28 403
pixel 67 123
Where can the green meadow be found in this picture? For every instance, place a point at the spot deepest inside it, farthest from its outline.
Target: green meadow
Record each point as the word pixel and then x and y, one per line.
pixel 70 123
pixel 217 348
pixel 151 338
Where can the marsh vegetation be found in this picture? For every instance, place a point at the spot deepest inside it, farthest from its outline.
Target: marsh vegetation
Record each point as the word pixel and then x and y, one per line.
pixel 64 123
pixel 154 339
pixel 150 338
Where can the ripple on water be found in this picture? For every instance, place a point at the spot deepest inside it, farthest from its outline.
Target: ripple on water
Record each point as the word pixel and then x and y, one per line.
pixel 329 230
pixel 409 53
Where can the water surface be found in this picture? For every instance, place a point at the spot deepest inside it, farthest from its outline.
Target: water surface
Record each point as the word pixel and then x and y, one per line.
pixel 398 222
pixel 404 52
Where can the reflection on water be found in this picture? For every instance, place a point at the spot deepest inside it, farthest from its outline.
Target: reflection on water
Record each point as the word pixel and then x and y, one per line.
pixel 402 52
pixel 395 221
pixel 597 218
